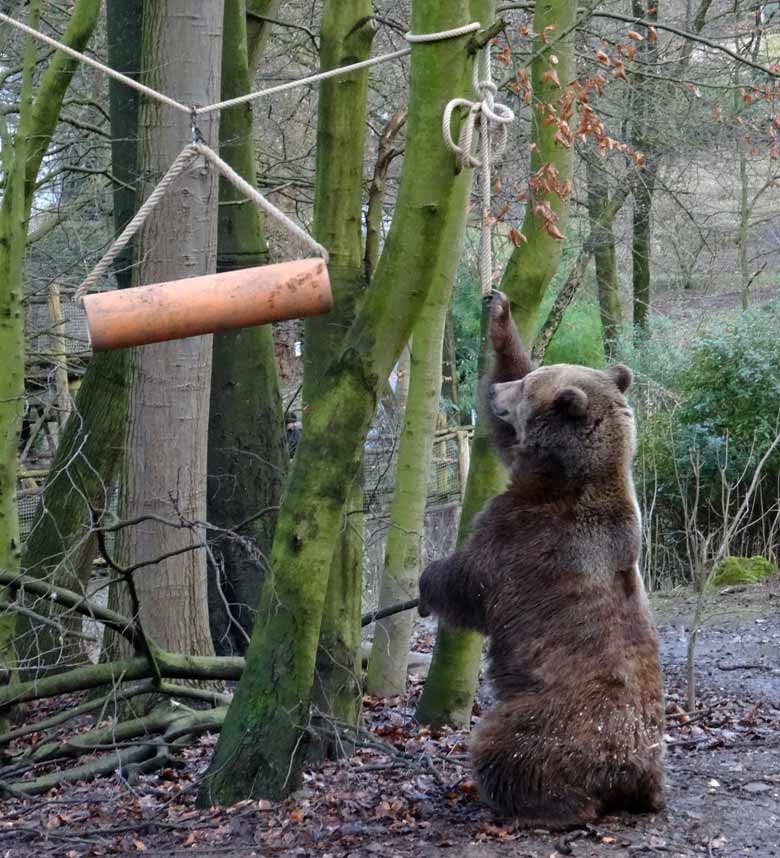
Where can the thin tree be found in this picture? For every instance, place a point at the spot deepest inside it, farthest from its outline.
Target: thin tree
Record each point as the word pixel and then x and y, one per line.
pixel 166 434
pixel 260 751
pixel 247 452
pixel 387 666
pixel 452 680
pixel 346 35
pixel 22 156
pixel 61 545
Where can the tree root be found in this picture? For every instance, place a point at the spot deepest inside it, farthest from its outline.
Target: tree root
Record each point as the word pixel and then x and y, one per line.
pixel 170 666
pixel 130 762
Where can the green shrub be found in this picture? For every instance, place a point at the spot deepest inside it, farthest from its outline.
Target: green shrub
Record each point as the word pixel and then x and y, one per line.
pixel 743 570
pixel 707 407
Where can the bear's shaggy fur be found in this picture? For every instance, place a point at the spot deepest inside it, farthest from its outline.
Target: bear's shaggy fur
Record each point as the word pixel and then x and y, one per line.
pixel 550 573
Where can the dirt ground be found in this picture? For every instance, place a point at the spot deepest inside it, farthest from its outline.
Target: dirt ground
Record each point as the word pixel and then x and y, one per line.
pixel 408 793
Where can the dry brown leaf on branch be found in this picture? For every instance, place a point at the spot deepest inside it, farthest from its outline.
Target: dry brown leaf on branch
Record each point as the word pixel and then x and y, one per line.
pixel 516 237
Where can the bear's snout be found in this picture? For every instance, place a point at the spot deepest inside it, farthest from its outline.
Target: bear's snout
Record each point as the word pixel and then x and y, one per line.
pixel 502 397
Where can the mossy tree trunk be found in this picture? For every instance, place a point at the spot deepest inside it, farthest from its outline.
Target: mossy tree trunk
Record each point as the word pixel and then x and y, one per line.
pixel 641 247
pixel 260 750
pixel 387 666
pixel 61 545
pixel 247 455
pixel 13 238
pixel 166 431
pixel 452 679
pixel 602 243
pixel 346 36
pixel 449 369
pixel 644 112
pixel 22 158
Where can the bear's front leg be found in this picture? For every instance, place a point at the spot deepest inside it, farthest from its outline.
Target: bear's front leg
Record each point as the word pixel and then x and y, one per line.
pixel 449 590
pixel 512 361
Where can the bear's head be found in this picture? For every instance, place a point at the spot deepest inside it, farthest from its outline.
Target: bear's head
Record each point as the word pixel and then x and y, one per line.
pixel 572 423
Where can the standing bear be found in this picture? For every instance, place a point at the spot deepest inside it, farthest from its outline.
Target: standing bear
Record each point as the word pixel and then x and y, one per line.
pixel 551 575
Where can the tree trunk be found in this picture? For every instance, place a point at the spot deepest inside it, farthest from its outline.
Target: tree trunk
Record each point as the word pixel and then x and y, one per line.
pixel 449 369
pixel 13 237
pixel 260 750
pixel 743 228
pixel 166 438
pixel 247 456
pixel 387 666
pixel 61 545
pixel 602 243
pixel 642 139
pixel 37 121
pixel 533 265
pixel 347 33
pixel 258 27
pixel 641 250
pixel 452 680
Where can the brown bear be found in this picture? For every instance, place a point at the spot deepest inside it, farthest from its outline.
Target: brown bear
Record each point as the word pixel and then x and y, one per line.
pixel 551 575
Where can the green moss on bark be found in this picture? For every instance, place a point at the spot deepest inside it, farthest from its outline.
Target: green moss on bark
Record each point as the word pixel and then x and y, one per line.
pixel 452 679
pixel 260 750
pixel 247 455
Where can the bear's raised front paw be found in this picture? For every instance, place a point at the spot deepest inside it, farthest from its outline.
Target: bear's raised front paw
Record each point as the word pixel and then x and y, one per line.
pixel 500 321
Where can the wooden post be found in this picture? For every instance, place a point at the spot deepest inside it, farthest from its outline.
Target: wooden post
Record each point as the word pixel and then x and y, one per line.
pixel 464 460
pixel 59 356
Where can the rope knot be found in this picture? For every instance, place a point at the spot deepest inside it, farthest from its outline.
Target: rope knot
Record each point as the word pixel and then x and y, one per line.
pixel 492 116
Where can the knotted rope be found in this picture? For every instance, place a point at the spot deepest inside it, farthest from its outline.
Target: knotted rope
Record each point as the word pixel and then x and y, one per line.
pixel 184 159
pixel 266 205
pixel 492 116
pixel 486 107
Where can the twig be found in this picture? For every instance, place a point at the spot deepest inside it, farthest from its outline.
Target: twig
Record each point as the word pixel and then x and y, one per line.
pixel 372 616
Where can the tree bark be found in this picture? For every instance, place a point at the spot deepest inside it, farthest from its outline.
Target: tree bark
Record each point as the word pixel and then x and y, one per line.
pixel 166 437
pixel 260 750
pixel 37 121
pixel 347 33
pixel 452 680
pixel 449 369
pixel 602 242
pixel 61 545
pixel 13 236
pixel 387 666
pixel 247 448
pixel 644 111
pixel 258 27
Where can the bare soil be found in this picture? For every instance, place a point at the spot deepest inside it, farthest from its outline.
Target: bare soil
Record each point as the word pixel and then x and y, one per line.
pixel 408 793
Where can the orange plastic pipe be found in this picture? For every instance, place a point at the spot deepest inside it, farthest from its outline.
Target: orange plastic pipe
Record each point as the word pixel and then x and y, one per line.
pixel 204 305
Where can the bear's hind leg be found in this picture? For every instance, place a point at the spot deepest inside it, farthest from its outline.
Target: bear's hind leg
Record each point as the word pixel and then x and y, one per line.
pixel 520 775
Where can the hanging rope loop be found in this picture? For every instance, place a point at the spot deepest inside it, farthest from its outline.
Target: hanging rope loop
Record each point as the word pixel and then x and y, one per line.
pixel 491 119
pixel 486 106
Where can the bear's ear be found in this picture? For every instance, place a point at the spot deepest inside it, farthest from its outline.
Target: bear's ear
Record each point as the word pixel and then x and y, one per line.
pixel 620 375
pixel 571 401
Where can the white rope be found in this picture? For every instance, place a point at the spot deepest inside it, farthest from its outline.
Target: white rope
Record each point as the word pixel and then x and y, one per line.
pixel 252 96
pixel 184 159
pixel 268 207
pixel 487 108
pixel 122 78
pixel 363 64
pixel 293 84
pixel 422 38
pixel 491 116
